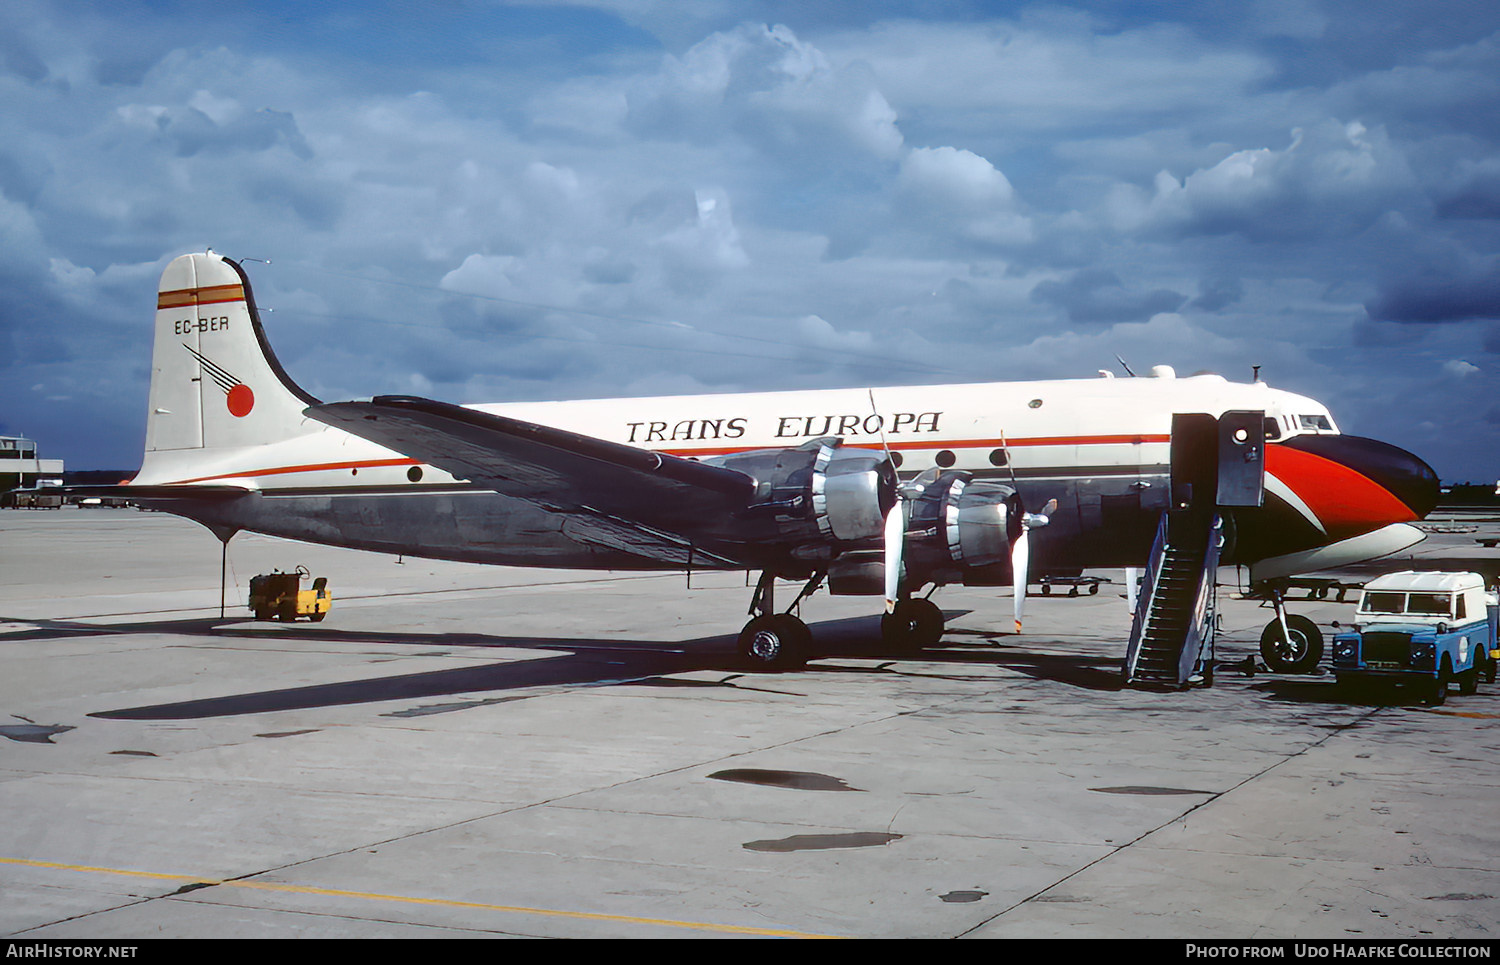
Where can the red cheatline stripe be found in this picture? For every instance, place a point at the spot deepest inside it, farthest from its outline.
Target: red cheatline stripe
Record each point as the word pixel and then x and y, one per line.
pixel 208 295
pixel 925 444
pixel 916 446
pixel 284 470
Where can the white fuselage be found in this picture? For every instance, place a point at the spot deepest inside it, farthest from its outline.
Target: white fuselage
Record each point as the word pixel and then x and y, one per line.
pixel 1034 429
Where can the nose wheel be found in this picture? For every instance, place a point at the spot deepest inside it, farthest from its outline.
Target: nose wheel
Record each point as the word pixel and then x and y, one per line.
pixel 1290 643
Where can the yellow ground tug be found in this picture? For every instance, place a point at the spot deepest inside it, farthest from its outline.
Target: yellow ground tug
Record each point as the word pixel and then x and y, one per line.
pixel 279 596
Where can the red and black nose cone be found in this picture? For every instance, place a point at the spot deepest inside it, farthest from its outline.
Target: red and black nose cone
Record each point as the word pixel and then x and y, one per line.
pixel 1393 469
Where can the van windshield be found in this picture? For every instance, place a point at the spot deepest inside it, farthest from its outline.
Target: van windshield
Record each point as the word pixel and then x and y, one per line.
pixel 1412 604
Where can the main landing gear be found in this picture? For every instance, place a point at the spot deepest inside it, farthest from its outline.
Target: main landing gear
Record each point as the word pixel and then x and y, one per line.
pixel 1290 643
pixel 771 640
pixel 780 641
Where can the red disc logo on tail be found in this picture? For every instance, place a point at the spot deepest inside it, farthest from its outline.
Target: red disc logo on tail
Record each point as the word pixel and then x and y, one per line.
pixel 237 395
pixel 241 400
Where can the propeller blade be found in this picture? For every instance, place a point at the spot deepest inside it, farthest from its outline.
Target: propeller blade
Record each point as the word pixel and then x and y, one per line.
pixel 1020 560
pixel 1020 555
pixel 895 544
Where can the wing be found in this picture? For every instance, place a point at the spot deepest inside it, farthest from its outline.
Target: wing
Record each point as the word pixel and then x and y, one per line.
pixel 654 505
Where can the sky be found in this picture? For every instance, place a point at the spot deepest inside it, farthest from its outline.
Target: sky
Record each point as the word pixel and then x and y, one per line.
pixel 494 201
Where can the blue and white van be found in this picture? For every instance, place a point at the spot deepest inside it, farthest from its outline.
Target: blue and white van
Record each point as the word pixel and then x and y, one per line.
pixel 1425 630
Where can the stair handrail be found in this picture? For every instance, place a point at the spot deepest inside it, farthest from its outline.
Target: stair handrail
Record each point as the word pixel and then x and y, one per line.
pixel 1200 627
pixel 1149 580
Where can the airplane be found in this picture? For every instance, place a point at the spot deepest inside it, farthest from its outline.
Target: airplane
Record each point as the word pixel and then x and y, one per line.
pixel 875 491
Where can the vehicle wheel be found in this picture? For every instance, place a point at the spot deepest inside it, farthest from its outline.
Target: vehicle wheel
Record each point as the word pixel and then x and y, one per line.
pixel 1487 668
pixel 774 642
pixel 1468 681
pixel 1093 589
pixel 915 625
pixel 1300 654
pixel 317 616
pixel 1046 589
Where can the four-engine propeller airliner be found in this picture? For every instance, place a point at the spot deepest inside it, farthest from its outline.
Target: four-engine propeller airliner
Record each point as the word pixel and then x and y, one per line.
pixel 884 491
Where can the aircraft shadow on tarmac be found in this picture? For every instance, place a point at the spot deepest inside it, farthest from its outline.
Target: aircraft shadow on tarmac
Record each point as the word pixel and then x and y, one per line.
pixel 581 662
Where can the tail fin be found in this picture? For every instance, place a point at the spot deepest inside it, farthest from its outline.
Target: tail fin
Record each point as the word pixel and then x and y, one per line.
pixel 215 382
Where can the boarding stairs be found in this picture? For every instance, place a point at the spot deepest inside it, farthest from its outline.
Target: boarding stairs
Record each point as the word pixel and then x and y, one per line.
pixel 1172 628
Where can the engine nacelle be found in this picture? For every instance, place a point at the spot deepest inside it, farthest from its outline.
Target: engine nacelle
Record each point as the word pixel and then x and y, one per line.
pixel 957 522
pixel 842 495
pixel 851 491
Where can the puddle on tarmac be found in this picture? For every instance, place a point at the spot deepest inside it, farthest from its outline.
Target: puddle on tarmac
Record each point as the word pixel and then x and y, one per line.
pixel 136 753
pixel 823 842
pixel 962 896
pixel 1137 789
pixel 796 780
pixel 290 733
pixel 33 733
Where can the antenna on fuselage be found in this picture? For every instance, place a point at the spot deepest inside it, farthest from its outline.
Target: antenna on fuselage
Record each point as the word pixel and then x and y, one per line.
pixel 1255 373
pixel 1125 366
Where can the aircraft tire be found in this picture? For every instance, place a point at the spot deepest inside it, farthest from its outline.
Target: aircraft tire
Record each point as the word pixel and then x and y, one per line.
pixel 915 625
pixel 774 642
pixel 1301 654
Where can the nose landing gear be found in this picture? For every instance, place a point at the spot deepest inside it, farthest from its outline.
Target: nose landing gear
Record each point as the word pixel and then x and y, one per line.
pixel 1291 643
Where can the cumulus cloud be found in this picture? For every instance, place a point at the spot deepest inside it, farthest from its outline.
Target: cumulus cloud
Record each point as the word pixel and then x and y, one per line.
pixel 963 193
pixel 776 92
pixel 1333 177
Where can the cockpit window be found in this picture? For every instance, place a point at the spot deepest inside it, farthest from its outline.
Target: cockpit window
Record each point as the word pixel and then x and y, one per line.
pixel 1316 422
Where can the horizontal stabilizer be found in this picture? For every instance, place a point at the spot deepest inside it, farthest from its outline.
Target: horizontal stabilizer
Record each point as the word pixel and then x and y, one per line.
pixel 146 494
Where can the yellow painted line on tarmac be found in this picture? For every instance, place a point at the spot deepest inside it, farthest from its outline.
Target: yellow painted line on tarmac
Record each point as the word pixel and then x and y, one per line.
pixel 411 900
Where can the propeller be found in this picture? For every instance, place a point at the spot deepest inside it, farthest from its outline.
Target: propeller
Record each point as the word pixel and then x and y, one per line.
pixel 895 520
pixel 1020 550
pixel 1020 555
pixel 895 547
